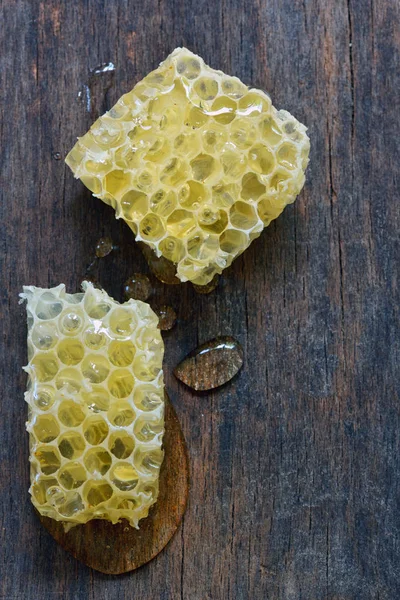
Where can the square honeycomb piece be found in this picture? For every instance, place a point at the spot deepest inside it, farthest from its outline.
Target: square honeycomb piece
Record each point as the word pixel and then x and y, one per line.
pixel 195 162
pixel 96 405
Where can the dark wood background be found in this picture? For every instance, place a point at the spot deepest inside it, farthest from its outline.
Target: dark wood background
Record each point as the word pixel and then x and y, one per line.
pixel 295 463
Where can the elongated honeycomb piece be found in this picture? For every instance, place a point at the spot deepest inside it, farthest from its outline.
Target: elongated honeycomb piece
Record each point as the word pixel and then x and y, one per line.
pixel 96 405
pixel 195 162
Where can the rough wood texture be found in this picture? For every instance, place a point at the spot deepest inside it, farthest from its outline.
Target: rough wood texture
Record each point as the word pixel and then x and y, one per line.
pixel 295 463
pixel 116 549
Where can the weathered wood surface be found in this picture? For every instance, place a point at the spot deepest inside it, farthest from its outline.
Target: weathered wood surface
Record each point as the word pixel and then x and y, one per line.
pixel 295 463
pixel 116 549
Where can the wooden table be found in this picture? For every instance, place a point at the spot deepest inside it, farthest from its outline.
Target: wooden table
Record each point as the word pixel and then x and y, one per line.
pixel 295 463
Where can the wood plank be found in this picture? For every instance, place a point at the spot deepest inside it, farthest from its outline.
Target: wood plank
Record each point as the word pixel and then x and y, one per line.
pixel 295 463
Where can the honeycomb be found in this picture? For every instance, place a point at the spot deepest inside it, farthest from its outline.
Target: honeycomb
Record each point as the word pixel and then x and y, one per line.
pixel 96 405
pixel 195 162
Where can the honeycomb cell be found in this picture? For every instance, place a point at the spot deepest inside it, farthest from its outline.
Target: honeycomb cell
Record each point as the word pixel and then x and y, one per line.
pixel 253 104
pixel 44 397
pixel 232 241
pixel 44 366
pixel 243 216
pixel 224 109
pixel 206 88
pixel 121 353
pixel 196 118
pixel 71 445
pixel 72 475
pixel 46 428
pixel 124 503
pixel 144 369
pixel 150 462
pixel 175 172
pixel 48 458
pixel 147 429
pixel 97 492
pixel 45 335
pixel 189 66
pixel 287 155
pixel 40 487
pixel 121 414
pixel 203 167
pixel 95 368
pixel 187 144
pixel 70 413
pixel 233 163
pixel 163 202
pixel 192 195
pixel 225 195
pixel 181 223
pixel 121 444
pixel 95 168
pixel 120 383
pixel 94 339
pixel 71 323
pixel 233 87
pixel 126 157
pixel 97 461
pixel 252 189
pixel 70 351
pixel 97 400
pixel 213 138
pixel 146 179
pixel 48 307
pixel 279 177
pixel 122 321
pixel 124 476
pixel 172 248
pixel 96 310
pixel 213 220
pixel 270 131
pixel 134 205
pixel 69 380
pixel 147 488
pixel 261 159
pixel 243 134
pixel 95 430
pixel 147 398
pixel 117 182
pixel 55 495
pixel 183 124
pixel 267 210
pixel 158 150
pixel 151 228
pixel 72 505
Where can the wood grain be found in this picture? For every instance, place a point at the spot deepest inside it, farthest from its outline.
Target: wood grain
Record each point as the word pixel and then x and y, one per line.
pixel 115 549
pixel 295 463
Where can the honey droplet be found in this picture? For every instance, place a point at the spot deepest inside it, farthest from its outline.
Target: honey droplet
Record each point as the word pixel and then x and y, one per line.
pixel 163 269
pixel 209 287
pixel 212 364
pixel 166 316
pixel 104 247
pixel 138 287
